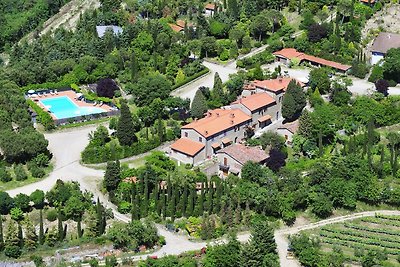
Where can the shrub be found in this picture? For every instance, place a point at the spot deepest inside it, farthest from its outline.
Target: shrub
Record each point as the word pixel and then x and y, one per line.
pixel 4 175
pixel 36 171
pixel 43 117
pixel 20 173
pixel 42 160
pixel 51 215
pixel 124 207
pixel 12 251
pixel 376 74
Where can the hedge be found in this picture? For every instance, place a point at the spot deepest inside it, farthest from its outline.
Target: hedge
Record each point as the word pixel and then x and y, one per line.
pixel 95 154
pixel 191 78
pixel 48 85
pixel 42 116
pixel 264 57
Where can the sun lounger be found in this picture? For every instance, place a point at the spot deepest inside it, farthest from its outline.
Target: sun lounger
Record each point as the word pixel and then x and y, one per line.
pixel 39 95
pixel 56 92
pixel 52 93
pixel 95 103
pixel 101 103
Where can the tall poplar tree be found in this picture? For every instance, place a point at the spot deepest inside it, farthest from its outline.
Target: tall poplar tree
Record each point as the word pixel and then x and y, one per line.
pixel 199 105
pixel 1 234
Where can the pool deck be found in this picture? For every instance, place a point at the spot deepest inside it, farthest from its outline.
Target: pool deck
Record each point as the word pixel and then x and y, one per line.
pixel 72 96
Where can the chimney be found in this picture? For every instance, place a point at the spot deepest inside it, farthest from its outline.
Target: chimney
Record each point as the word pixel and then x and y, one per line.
pixel 217 114
pixel 280 80
pixel 232 115
pixel 206 132
pixel 232 122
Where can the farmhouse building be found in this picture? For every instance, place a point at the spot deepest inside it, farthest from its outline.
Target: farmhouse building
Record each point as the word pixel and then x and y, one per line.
pixel 382 43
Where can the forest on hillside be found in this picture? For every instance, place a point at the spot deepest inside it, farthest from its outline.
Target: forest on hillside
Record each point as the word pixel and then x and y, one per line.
pixel 19 17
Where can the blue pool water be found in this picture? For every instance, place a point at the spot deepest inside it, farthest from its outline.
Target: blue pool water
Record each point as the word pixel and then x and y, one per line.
pixel 63 107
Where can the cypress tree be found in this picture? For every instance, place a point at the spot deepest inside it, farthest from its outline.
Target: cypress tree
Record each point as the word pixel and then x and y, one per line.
pixel 60 226
pixel 125 127
pixel 137 204
pixel 382 160
pixel 41 230
pixel 191 201
pixel 134 67
pixel 31 238
pixel 210 198
pixel 217 197
pixel 218 90
pixel 370 140
pixel 184 200
pixel 161 130
pixel 320 147
pixel 12 242
pixel 112 176
pixel 164 204
pixel 238 214
pixel 201 200
pixel 133 202
pixel 100 216
pixel 1 234
pixel 294 100
pixel 199 105
pixel 155 199
pixel 233 9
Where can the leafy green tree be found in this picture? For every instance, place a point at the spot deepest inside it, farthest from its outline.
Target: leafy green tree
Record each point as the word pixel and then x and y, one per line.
pixel 6 203
pixel 294 100
pixel 199 105
pixel 125 128
pixel 22 201
pixel 322 206
pixel 74 209
pixel 260 25
pixel 37 197
pixel 150 87
pixel 319 78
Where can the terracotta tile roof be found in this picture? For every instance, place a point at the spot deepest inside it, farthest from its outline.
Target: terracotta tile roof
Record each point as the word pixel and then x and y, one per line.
pixel 385 41
pixel 264 118
pixel 291 126
pixel 328 63
pixel 210 6
pixel 187 146
pixel 226 140
pixel 256 101
pixel 215 145
pixel 218 120
pixel 175 28
pixel 288 53
pixel 243 153
pixel 291 53
pixel 275 85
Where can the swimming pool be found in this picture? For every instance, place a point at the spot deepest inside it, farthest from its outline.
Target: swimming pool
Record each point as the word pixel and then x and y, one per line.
pixel 62 107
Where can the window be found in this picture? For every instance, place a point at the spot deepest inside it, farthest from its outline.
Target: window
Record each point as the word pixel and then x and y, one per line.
pixel 186 134
pixel 280 99
pixel 200 139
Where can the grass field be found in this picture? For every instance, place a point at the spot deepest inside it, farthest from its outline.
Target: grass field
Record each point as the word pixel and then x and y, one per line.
pixel 355 238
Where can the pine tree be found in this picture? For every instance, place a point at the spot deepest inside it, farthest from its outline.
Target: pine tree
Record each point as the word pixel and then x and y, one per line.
pixel 125 127
pixel 218 90
pixel 1 234
pixel 199 105
pixel 12 247
pixel 112 176
pixel 31 239
pixel 41 230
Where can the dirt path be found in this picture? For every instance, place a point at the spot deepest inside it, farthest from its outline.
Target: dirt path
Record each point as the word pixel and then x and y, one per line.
pixel 283 243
